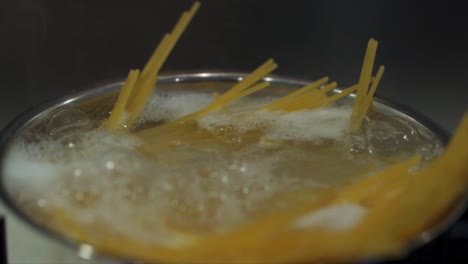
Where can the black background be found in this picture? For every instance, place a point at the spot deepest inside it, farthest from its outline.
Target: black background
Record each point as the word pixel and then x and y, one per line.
pixel 49 48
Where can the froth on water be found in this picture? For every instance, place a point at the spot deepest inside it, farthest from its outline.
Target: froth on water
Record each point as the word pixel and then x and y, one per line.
pixel 242 164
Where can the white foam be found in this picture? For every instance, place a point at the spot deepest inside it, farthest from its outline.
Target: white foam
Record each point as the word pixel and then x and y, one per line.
pixel 169 106
pixel 339 217
pixel 37 166
pixel 24 171
pixel 307 125
pixel 110 167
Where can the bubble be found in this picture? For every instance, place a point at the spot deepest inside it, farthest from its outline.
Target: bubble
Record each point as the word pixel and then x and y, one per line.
pixel 66 121
pixel 77 172
pixel 41 203
pixel 110 165
pixel 390 136
pixel 168 106
pixel 356 143
pixel 104 108
pixel 227 132
pixel 243 168
pixel 225 179
pixel 84 198
pixel 429 150
pixel 72 140
pixel 167 186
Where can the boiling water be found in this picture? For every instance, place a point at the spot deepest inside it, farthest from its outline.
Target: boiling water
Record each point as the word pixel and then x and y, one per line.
pixel 118 182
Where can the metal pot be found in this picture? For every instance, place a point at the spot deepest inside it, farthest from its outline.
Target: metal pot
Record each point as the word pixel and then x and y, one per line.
pixel 94 96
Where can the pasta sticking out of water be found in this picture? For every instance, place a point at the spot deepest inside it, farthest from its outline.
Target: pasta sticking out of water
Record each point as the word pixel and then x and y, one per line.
pixel 138 88
pixel 116 118
pixel 310 96
pixel 365 93
pixel 244 88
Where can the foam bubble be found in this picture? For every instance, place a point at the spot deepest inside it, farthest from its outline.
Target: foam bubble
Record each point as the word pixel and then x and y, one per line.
pixel 22 170
pixel 104 178
pixel 336 217
pixel 169 106
pixel 307 125
pixel 36 166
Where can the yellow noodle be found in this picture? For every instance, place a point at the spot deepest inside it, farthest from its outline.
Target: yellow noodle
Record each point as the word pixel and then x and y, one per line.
pixel 322 96
pixel 342 94
pixel 148 79
pixel 175 35
pixel 257 231
pixel 363 85
pixel 366 71
pixel 455 156
pixel 254 89
pixel 313 99
pixel 372 90
pixel 155 59
pixel 255 236
pixel 449 172
pixel 411 208
pixel 373 186
pixel 353 193
pixel 235 93
pixel 348 91
pixel 366 103
pixel 252 78
pixel 141 98
pixel 292 96
pixel 115 119
pixel 328 88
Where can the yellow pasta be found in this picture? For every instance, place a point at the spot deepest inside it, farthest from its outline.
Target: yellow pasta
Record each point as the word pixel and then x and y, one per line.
pixel 143 86
pixel 362 95
pixel 115 120
pixel 243 88
pixel 294 95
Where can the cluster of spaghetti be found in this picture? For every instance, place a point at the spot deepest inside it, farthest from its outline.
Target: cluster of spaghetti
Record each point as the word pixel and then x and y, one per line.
pixel 139 86
pixel 396 199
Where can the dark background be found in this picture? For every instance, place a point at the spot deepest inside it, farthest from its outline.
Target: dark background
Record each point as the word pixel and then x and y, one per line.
pixel 49 48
